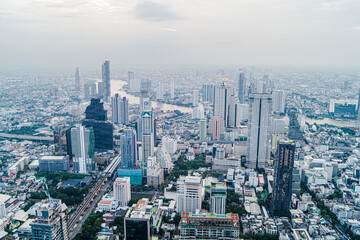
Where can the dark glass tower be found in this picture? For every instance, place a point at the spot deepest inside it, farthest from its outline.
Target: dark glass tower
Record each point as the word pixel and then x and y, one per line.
pixel 284 164
pixel 95 117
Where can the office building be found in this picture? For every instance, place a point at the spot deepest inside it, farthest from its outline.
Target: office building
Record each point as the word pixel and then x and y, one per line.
pixel 222 98
pixel 145 85
pixel 143 220
pixel 83 149
pixel 170 144
pixel 77 80
pixel 202 131
pixel 189 194
pixel 258 131
pixel 145 103
pixel 120 109
pixel 216 128
pixel 62 141
pixel 198 112
pixel 54 163
pixel 242 87
pixel 106 88
pixel 295 132
pixel 160 91
pixel 278 101
pixel 86 91
pixel 209 226
pixel 147 126
pixel 50 222
pixel 208 93
pixel 96 118
pixel 128 149
pixel 172 89
pixel 135 175
pixel 218 198
pixel 122 191
pixel 195 98
pixel 131 77
pixel 154 172
pixel 284 163
pixel 93 90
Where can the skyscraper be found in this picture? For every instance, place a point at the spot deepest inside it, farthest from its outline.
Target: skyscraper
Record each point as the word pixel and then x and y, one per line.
pixel 160 90
pixel 120 109
pixel 188 194
pixel 258 132
pixel 147 126
pixel 218 198
pixel 50 222
pixel 278 101
pixel 242 88
pixel 216 128
pixel 172 89
pixel 128 149
pixel 122 191
pixel 202 129
pixel 83 149
pixel 77 80
pixel 96 117
pixel 106 80
pixel 208 93
pixel 284 163
pixel 225 103
pixel 131 77
pixel 195 98
pixel 62 141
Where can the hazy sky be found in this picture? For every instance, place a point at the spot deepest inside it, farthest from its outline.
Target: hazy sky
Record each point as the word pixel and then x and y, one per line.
pixel 66 33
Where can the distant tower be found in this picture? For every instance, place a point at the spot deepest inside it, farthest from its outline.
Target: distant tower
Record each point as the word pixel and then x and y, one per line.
pixel 147 125
pixel 258 131
pixel 208 93
pixel 284 163
pixel 77 80
pixel 160 90
pixel 242 87
pixel 120 109
pixel 172 89
pixel 278 101
pixel 131 77
pixel 128 149
pixel 106 80
pixel 195 98
pixel 222 98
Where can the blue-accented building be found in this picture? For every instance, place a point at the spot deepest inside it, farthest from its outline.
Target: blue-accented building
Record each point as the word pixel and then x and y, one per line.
pixel 135 175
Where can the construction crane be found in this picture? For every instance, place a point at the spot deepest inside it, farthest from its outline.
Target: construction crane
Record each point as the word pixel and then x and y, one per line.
pixel 46 191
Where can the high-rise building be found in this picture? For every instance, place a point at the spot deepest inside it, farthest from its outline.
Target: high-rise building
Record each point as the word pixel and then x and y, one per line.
pixel 242 87
pixel 62 141
pixel 188 194
pixel 208 93
pixel 198 112
pixel 50 222
pixel 258 132
pixel 278 101
pixel 147 126
pixel 284 163
pixel 122 191
pixel 170 144
pixel 225 104
pixel 154 173
pixel 218 198
pixel 120 109
pixel 83 149
pixel 131 77
pixel 216 128
pixel 160 90
pixel 86 91
pixel 209 226
pixel 3 211
pixel 145 85
pixel 106 80
pixel 93 90
pixel 202 131
pixel 172 89
pixel 195 98
pixel 96 117
pixel 77 80
pixel 295 132
pixel 145 103
pixel 54 163
pixel 128 149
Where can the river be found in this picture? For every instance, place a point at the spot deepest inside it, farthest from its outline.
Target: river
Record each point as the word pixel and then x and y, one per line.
pixel 116 87
pixel 329 121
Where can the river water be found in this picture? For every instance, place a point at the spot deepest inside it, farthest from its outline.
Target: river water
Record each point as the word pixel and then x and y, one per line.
pixel 329 121
pixel 116 87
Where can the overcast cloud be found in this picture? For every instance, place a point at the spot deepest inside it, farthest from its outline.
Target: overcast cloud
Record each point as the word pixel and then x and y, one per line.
pixel 66 33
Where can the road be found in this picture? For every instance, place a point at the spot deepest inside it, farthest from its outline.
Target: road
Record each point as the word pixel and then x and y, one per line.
pixel 89 202
pixel 26 137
